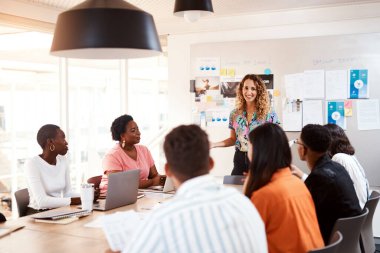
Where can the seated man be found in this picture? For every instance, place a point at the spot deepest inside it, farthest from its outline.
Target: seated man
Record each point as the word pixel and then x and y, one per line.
pixel 329 183
pixel 203 216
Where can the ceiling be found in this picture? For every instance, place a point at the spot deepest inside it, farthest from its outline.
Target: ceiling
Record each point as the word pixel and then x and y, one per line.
pixel 162 10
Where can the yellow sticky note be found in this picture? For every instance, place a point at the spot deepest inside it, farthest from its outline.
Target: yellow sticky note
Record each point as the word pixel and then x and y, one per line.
pixel 276 93
pixel 208 98
pixel 223 72
pixel 231 72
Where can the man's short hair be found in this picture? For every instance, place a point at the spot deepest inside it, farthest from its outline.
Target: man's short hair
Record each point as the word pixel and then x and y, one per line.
pixel 316 137
pixel 187 152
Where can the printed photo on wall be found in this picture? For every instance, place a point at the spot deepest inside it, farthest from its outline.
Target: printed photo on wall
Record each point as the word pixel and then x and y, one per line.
pixel 204 84
pixel 268 81
pixel 228 88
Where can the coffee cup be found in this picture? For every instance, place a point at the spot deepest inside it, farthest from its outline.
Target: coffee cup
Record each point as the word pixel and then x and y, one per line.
pixel 87 196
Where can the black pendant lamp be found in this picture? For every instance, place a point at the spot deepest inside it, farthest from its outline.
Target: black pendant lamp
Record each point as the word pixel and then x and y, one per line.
pixel 105 29
pixel 192 10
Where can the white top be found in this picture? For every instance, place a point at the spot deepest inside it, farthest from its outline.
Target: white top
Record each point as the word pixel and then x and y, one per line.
pixel 203 216
pixel 356 172
pixel 49 185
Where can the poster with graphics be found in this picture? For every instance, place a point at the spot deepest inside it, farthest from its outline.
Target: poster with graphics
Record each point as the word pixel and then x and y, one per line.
pixel 207 66
pixel 358 84
pixel 335 113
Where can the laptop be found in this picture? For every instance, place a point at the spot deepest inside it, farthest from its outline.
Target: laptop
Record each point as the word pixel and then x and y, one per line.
pixel 168 187
pixel 122 190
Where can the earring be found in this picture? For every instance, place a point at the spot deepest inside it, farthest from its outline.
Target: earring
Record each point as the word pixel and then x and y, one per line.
pixel 52 147
pixel 123 144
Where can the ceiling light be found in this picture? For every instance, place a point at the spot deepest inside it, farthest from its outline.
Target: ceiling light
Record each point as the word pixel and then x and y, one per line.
pixel 192 10
pixel 105 29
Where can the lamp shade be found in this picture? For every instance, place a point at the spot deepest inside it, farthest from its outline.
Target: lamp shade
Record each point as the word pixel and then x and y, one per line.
pixel 192 9
pixel 105 29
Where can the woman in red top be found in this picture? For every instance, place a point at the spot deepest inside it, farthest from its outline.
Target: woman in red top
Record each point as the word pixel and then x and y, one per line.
pixel 127 155
pixel 283 201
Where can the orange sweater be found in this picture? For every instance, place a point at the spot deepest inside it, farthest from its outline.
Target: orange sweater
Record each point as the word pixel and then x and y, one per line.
pixel 288 212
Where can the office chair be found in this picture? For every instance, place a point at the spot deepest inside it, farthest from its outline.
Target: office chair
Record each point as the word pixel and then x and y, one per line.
pixel 237 180
pixel 367 243
pixel 95 180
pixel 22 200
pixel 2 218
pixel 333 246
pixel 350 228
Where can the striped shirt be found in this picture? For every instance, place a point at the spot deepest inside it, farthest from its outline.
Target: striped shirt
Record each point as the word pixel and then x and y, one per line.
pixel 204 216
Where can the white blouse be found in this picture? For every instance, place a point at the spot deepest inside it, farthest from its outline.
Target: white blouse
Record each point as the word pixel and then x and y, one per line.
pixel 356 172
pixel 49 185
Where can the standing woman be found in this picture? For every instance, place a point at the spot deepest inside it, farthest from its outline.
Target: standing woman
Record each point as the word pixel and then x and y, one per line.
pixel 47 174
pixel 127 155
pixel 252 109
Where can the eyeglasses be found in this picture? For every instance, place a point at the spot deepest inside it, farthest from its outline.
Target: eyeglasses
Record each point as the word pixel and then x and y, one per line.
pixel 297 141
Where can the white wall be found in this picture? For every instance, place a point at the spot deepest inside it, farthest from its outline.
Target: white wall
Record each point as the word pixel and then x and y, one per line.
pixel 352 19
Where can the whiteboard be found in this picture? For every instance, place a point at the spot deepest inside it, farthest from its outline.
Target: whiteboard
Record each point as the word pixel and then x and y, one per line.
pixel 287 56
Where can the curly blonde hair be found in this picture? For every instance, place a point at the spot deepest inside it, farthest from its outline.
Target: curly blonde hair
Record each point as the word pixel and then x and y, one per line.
pixel 262 98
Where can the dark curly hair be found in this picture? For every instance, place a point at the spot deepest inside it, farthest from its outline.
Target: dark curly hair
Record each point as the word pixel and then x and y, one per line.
pixel 48 131
pixel 316 137
pixel 339 141
pixel 118 126
pixel 262 98
pixel 187 152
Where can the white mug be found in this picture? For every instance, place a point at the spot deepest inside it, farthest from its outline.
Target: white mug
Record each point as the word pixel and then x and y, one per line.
pixel 87 196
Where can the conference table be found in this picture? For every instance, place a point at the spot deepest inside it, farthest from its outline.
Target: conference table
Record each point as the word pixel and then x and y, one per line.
pixel 37 237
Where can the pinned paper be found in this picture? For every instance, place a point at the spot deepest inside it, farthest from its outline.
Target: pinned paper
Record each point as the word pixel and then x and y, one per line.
pixel 231 72
pixel 348 108
pixel 223 72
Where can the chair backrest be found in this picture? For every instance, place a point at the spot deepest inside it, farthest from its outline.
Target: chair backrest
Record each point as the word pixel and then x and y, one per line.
pixel 333 246
pixel 238 180
pixel 350 228
pixel 367 243
pixel 22 200
pixel 95 180
pixel 2 218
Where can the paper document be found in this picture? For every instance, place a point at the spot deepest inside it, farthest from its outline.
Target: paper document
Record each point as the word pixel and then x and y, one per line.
pixel 312 112
pixel 336 84
pixel 314 84
pixel 292 115
pixel 359 83
pixel 294 86
pixel 119 228
pixel 368 114
pixel 335 113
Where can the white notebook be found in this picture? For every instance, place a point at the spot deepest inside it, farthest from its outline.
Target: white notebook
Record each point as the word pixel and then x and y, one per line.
pixel 60 214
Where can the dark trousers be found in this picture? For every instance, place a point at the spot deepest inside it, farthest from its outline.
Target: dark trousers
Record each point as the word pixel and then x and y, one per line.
pixel 241 163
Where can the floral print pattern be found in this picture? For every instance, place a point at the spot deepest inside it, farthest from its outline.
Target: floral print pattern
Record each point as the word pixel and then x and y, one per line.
pixel 239 123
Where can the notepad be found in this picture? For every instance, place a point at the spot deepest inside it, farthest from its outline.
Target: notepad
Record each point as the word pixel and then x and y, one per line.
pixel 60 214
pixel 8 229
pixel 62 221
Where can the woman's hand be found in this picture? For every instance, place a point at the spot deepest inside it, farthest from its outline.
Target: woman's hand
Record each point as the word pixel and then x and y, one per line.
pixel 156 180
